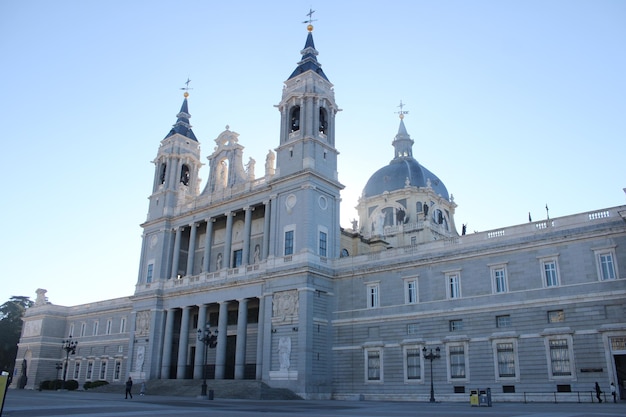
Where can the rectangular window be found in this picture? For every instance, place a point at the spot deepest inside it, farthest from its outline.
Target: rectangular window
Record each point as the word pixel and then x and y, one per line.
pixel 559 357
pixel 556 316
pixel 89 370
pixel 373 365
pixel 237 258
pixel 499 279
pixel 71 332
pixel 412 328
pixel 118 369
pixel 76 369
pixel 372 295
pixel 550 272
pixel 109 326
pixel 457 361
pixel 289 242
pixel 503 321
pixel 323 243
pixel 95 328
pixel 413 363
pixel 83 329
pixel 506 360
pixel 454 285
pixel 149 273
pixel 103 370
pixel 606 266
pixel 410 287
pixel 456 325
pixel 123 325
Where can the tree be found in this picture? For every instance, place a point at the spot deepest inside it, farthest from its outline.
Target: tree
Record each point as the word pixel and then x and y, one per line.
pixel 11 314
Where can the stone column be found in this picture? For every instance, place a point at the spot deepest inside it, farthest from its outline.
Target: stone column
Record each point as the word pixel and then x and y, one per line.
pixel 167 344
pixel 183 342
pixel 222 329
pixel 260 338
pixel 266 229
pixel 228 239
pixel 247 227
pixel 192 249
pixel 208 242
pixel 198 360
pixel 242 333
pixel 176 254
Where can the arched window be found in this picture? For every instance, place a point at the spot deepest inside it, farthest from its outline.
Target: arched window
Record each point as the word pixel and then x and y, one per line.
pixel 163 171
pixel 323 120
pixel 295 119
pixel 418 206
pixel 184 174
pixel 344 253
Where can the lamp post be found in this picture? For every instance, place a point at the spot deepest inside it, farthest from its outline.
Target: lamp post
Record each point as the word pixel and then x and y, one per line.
pixel 431 357
pixel 59 366
pixel 209 338
pixel 69 346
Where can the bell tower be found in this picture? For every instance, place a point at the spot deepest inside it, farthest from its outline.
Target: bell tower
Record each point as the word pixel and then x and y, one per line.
pixel 305 205
pixel 176 166
pixel 307 113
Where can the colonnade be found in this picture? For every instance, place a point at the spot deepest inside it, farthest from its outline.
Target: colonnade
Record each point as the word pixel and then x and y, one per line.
pixel 225 261
pixel 188 337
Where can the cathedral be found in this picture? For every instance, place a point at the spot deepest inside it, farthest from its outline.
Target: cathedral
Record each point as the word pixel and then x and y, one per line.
pixel 247 278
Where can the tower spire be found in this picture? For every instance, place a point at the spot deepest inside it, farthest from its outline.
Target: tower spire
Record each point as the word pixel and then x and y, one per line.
pixel 182 125
pixel 309 53
pixel 402 143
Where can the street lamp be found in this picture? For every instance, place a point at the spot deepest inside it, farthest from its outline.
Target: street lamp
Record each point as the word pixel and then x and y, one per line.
pixel 59 366
pixel 431 357
pixel 209 338
pixel 69 346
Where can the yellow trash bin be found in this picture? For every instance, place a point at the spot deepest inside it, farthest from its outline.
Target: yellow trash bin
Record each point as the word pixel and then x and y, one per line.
pixel 474 398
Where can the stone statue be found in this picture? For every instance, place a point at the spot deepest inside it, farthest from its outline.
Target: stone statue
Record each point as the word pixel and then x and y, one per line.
pixel 41 297
pixel 250 169
pixel 284 353
pixel 141 353
pixel 269 163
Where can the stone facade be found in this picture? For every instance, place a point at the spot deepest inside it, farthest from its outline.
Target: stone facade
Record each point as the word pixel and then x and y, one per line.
pixel 300 303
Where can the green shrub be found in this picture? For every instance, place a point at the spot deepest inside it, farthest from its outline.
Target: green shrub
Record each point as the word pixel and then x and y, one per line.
pixel 94 384
pixel 71 385
pixel 56 384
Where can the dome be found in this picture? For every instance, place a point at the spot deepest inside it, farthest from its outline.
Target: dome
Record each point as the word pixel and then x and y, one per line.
pixel 395 175
pixel 403 170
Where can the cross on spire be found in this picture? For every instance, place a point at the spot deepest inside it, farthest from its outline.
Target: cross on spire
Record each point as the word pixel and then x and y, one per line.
pixel 402 112
pixel 186 88
pixel 310 19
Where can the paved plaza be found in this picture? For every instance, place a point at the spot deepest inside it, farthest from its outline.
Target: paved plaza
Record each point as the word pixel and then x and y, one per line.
pixel 25 403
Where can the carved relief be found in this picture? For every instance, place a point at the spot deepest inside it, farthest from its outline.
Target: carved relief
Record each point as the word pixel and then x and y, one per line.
pixel 285 305
pixel 142 323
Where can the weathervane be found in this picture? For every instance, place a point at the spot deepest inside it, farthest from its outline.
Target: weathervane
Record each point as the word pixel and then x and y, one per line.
pixel 186 87
pixel 310 20
pixel 402 112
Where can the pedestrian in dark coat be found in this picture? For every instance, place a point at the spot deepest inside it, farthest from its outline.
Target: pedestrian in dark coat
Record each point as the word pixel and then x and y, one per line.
pixel 129 386
pixel 598 392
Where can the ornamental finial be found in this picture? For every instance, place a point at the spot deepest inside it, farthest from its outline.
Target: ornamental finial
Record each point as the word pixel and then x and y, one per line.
pixel 310 20
pixel 186 88
pixel 402 112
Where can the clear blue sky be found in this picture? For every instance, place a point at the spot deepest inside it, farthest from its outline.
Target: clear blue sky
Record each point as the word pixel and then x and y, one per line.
pixel 513 104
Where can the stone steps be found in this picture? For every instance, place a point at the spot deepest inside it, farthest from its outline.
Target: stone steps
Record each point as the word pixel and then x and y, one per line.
pixel 231 389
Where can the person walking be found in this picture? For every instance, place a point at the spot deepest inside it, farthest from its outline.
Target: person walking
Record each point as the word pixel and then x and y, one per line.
pixel 142 391
pixel 129 386
pixel 613 393
pixel 598 392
